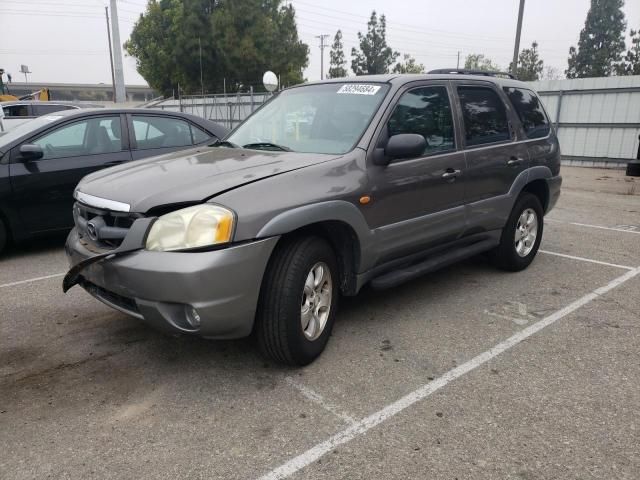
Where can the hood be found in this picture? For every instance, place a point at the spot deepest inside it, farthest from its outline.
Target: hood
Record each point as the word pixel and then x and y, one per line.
pixel 190 175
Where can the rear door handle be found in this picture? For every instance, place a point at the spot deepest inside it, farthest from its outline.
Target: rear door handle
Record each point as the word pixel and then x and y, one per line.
pixel 114 163
pixel 450 173
pixel 513 161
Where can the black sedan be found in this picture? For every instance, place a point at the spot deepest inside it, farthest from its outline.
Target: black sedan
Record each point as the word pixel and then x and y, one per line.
pixel 42 161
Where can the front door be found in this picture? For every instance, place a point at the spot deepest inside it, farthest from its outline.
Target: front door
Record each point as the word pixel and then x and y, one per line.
pixel 419 202
pixel 42 190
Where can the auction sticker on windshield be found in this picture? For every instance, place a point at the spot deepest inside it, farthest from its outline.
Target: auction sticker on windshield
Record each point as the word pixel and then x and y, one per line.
pixel 359 89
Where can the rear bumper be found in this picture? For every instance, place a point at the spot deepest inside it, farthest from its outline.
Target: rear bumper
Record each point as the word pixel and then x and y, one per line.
pixel 554 184
pixel 163 288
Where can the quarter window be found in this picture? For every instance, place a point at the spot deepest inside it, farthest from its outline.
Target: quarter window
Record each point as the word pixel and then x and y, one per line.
pixel 427 112
pixel 93 136
pixel 530 111
pixel 484 114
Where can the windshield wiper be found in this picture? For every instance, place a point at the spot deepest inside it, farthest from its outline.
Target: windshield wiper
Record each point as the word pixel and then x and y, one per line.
pixel 267 146
pixel 224 143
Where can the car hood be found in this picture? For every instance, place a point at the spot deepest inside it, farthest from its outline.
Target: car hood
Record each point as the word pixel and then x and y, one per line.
pixel 191 176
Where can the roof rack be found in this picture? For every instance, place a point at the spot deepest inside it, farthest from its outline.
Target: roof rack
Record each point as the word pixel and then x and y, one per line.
pixel 462 71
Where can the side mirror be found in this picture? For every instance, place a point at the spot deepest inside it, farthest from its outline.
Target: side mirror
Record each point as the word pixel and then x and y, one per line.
pixel 31 152
pixel 405 145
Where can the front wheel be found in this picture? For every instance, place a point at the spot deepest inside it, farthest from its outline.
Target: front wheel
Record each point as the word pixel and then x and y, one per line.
pixel 298 301
pixel 521 235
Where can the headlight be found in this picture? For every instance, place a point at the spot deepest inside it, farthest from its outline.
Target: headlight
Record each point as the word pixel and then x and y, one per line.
pixel 192 227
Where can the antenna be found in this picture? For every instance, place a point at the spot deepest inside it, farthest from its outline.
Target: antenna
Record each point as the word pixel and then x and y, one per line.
pixel 322 45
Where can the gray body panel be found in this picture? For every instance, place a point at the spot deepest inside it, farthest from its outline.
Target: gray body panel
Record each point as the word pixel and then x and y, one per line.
pixel 414 212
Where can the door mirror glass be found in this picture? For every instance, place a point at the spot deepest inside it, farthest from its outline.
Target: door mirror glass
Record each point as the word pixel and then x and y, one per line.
pixel 31 152
pixel 405 145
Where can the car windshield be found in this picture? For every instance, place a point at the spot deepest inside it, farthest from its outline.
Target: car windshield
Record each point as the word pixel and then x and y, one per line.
pixel 9 136
pixel 328 118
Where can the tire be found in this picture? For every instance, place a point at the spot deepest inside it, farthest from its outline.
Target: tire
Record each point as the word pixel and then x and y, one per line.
pixel 287 293
pixel 512 255
pixel 4 236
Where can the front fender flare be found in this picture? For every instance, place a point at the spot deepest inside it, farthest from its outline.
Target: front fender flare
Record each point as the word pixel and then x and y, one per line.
pixel 333 210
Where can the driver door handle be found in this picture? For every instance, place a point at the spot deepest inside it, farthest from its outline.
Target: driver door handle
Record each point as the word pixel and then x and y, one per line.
pixel 450 173
pixel 513 161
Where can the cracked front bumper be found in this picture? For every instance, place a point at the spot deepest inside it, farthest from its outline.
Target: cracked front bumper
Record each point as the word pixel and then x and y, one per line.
pixel 163 288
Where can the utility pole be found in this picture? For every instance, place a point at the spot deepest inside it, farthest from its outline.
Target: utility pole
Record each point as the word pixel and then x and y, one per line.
pixel 322 45
pixel 113 77
pixel 121 94
pixel 516 48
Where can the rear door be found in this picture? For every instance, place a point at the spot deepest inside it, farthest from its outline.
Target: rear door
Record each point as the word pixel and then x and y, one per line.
pixel 42 190
pixel 158 134
pixel 494 154
pixel 419 202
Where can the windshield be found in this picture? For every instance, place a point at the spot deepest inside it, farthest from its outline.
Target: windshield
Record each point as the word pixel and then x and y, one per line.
pixel 328 118
pixel 9 136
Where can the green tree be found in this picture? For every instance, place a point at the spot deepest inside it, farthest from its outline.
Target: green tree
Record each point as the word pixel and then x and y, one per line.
pixel 408 65
pixel 530 66
pixel 374 56
pixel 601 41
pixel 477 61
pixel 630 64
pixel 240 40
pixel 337 61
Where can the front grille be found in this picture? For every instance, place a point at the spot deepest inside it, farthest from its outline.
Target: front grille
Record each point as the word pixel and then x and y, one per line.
pixel 104 229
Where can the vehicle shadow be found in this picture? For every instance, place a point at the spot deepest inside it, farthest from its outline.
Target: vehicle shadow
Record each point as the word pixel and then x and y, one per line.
pixel 24 248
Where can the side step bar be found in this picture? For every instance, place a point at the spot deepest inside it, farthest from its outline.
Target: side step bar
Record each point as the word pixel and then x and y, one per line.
pixel 409 272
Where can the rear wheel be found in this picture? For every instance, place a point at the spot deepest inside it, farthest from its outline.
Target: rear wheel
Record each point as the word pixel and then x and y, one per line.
pixel 298 301
pixel 521 235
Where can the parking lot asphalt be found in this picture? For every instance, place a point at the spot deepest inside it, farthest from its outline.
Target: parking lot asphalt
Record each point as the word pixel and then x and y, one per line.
pixel 469 372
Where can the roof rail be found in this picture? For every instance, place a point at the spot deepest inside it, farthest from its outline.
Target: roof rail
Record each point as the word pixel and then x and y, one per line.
pixel 462 71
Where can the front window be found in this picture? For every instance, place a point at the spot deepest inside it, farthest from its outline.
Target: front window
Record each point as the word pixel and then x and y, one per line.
pixel 328 118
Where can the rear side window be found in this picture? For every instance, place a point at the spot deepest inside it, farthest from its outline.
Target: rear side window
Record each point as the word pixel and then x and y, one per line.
pixel 43 109
pixel 427 112
pixel 16 111
pixel 161 132
pixel 484 114
pixel 532 116
pixel 198 135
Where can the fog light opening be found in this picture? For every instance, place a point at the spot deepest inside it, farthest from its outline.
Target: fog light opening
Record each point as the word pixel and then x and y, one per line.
pixel 193 317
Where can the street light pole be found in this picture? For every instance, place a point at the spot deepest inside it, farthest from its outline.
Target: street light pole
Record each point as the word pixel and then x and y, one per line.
pixel 516 48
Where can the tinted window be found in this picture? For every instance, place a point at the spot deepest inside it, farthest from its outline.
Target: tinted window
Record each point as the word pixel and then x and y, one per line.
pixel 530 111
pixel 484 114
pixel 160 132
pixel 199 136
pixel 16 111
pixel 43 109
pixel 92 136
pixel 427 112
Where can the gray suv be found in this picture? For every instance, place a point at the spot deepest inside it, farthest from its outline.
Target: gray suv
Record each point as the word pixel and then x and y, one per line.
pixel 327 187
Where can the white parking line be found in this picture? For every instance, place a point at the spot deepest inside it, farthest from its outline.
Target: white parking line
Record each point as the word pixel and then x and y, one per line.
pixel 582 259
pixel 320 400
pixel 361 427
pixel 29 280
pixel 600 227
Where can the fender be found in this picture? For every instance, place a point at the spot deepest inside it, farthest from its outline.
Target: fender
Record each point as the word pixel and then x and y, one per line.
pixel 527 176
pixel 333 210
